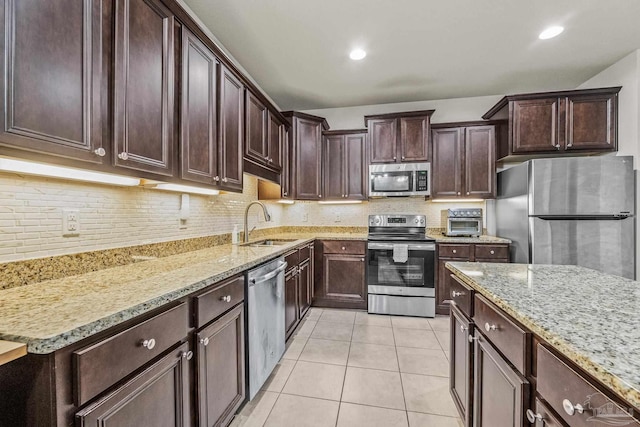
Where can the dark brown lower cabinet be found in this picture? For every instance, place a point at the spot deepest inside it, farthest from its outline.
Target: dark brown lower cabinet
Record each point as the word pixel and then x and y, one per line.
pixel 158 396
pixel 461 365
pixel 290 301
pixel 221 369
pixel 500 392
pixel 340 274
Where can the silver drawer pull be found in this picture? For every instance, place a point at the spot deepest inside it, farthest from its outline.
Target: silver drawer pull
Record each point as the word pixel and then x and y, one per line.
pixel 123 156
pixel 225 298
pixel 455 294
pixel 570 408
pixel 472 338
pixel 463 328
pixel 187 354
pixel 343 248
pixel 454 251
pixel 489 328
pixel 533 417
pixel 149 344
pixel 216 178
pixel 224 179
pixel 492 252
pixel 100 152
pixel 204 341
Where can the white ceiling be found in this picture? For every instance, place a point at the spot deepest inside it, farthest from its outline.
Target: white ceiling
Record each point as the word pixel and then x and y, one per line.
pixel 298 50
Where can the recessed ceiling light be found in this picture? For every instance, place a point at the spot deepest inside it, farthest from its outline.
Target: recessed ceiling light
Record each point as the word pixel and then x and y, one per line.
pixel 357 54
pixel 551 32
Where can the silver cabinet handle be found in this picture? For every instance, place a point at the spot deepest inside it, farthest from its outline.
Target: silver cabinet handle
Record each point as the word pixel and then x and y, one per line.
pixel 187 355
pixel 458 193
pixel 463 328
pixel 533 417
pixel 472 338
pixel 270 160
pixel 489 328
pixel 225 179
pixel 284 193
pixel 123 156
pixel 216 178
pixel 204 341
pixel 557 145
pixel 455 251
pixel 149 344
pixel 362 259
pixel 394 158
pixel 100 152
pixel 225 298
pixel 467 193
pixel 402 157
pixel 492 252
pixel 266 158
pixel 455 294
pixel 320 195
pixel 570 408
pixel 344 249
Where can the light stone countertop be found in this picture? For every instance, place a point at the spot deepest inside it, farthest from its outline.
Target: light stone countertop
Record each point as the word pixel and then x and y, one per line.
pixel 484 239
pixel 590 317
pixel 50 315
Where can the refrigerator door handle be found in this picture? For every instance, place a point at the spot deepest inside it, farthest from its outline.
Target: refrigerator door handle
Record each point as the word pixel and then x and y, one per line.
pixel 615 217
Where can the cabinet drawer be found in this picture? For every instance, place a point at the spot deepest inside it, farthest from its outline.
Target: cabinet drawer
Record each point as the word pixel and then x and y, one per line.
pixel 491 252
pixel 103 364
pixel 558 382
pixel 292 259
pixel 304 254
pixel 219 299
pixel 462 295
pixel 505 335
pixel 454 251
pixel 344 247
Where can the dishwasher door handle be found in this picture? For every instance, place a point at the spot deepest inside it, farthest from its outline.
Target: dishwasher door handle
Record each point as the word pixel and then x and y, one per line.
pixel 269 275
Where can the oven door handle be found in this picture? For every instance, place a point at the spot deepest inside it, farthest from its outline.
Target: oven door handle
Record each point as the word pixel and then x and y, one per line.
pixel 411 246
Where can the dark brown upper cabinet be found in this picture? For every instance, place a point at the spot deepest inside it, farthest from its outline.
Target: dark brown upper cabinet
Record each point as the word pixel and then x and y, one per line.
pixel 345 165
pixel 264 136
pixel 399 137
pixel 464 160
pixel 556 123
pixel 275 141
pixel 51 88
pixel 144 81
pixel 231 130
pixel 199 136
pixel 305 155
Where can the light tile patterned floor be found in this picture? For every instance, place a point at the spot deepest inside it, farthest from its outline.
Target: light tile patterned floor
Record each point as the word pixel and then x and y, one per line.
pixel 349 369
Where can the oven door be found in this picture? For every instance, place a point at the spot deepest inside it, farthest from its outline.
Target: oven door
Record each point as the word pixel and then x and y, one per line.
pixel 414 277
pixel 464 227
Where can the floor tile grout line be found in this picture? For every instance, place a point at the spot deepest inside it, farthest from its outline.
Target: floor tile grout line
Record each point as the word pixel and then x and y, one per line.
pixel 404 398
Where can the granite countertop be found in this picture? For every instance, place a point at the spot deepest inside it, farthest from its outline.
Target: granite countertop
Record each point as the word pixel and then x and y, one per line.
pixel 484 239
pixel 590 317
pixel 50 315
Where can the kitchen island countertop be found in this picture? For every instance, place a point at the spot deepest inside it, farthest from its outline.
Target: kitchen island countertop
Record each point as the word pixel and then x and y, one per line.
pixel 50 315
pixel 589 317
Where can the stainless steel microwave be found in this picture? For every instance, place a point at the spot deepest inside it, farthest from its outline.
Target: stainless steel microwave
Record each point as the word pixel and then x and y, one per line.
pixel 399 179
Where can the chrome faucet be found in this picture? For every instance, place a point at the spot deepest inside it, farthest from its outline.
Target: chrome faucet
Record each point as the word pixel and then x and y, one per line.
pixel 267 218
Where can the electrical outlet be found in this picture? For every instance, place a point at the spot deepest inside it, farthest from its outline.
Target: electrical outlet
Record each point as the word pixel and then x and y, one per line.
pixel 305 217
pixel 337 219
pixel 70 222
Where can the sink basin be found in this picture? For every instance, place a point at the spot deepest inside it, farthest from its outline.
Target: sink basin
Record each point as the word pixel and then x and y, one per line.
pixel 268 242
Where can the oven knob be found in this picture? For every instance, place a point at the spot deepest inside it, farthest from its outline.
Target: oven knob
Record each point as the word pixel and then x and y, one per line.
pixel 421 220
pixel 417 221
pixel 377 220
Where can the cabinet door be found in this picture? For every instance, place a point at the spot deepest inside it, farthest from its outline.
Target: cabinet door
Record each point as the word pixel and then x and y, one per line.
pixel 355 164
pixel 256 127
pixel 285 175
pixel 199 111
pixel 231 130
pixel 383 135
pixel 480 161
pixel 443 285
pixel 447 162
pixel 275 136
pixel 290 302
pixel 414 139
pixel 501 394
pixel 143 73
pixel 304 289
pixel 343 281
pixel 534 126
pixel 589 122
pixel 220 362
pixel 52 75
pixel 158 396
pixel 334 168
pixel 461 365
pixel 308 164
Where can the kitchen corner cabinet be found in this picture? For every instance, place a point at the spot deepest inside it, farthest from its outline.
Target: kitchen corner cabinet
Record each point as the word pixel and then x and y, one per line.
pixel 557 123
pixel 231 130
pixel 305 153
pixel 464 159
pixel 143 84
pixel 399 137
pixel 461 252
pixel 340 274
pixel 298 286
pixel 52 95
pixel 344 165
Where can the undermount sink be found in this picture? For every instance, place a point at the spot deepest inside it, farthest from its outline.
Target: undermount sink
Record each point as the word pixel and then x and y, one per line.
pixel 268 242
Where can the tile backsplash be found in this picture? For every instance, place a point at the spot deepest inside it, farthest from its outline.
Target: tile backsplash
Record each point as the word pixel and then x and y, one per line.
pixel 31 210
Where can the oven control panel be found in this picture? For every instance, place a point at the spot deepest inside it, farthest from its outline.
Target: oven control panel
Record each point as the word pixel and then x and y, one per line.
pixel 397 221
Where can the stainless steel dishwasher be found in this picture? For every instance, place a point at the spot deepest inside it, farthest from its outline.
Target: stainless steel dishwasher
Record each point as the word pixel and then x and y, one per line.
pixel 265 321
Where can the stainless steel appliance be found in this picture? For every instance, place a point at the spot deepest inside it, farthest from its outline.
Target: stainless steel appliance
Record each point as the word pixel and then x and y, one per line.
pixel 399 179
pixel 265 321
pixel 464 222
pixel 400 266
pixel 576 211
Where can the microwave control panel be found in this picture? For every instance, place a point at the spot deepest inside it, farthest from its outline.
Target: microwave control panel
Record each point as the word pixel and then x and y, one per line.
pixel 421 181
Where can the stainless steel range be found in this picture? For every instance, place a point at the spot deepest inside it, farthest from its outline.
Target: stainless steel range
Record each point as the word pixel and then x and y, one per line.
pixel 400 266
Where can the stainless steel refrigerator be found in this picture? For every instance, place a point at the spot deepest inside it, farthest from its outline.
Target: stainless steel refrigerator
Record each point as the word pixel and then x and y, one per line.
pixel 577 210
